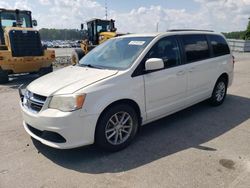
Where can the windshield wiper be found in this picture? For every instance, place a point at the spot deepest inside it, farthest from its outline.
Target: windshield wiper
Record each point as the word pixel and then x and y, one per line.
pixel 92 66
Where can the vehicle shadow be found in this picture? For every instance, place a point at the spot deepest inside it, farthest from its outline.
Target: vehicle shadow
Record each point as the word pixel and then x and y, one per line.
pixel 189 128
pixel 17 80
pixel 23 79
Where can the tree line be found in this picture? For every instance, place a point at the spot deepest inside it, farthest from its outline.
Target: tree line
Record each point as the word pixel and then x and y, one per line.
pixel 244 35
pixel 61 34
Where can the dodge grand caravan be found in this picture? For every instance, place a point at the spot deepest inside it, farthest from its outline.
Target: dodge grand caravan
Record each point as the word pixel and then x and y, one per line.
pixel 124 83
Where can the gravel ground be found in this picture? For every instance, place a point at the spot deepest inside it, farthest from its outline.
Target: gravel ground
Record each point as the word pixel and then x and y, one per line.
pixel 62 61
pixel 201 146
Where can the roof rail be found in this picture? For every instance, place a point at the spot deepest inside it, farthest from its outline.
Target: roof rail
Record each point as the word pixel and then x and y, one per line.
pixel 177 30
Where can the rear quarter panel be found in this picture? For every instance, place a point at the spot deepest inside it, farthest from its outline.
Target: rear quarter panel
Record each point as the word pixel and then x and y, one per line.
pixel 225 65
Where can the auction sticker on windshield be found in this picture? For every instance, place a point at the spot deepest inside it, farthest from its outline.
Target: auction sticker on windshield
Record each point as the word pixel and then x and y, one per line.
pixel 137 43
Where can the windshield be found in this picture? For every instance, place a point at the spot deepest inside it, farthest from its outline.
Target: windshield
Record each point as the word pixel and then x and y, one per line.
pixel 9 19
pixel 118 53
pixel 103 26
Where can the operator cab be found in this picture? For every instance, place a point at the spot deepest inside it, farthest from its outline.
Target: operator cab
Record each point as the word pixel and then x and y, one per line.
pixel 14 18
pixel 97 26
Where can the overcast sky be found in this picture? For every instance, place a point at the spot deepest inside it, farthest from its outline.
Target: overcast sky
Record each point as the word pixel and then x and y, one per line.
pixel 139 15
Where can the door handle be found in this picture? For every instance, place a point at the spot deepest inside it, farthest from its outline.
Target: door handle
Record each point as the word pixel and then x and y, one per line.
pixel 180 73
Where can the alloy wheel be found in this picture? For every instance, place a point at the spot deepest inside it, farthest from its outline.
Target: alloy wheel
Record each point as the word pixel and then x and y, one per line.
pixel 220 91
pixel 119 128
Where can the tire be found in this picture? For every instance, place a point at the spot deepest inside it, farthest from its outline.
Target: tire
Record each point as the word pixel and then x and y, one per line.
pixel 45 70
pixel 76 56
pixel 4 78
pixel 219 92
pixel 115 136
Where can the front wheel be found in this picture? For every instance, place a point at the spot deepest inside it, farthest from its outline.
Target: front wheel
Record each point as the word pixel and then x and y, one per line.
pixel 116 128
pixel 219 92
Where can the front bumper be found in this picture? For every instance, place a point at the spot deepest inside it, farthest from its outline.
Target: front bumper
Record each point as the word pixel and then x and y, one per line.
pixel 77 130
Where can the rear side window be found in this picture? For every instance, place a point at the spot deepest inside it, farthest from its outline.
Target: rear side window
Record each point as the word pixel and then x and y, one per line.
pixel 219 45
pixel 195 47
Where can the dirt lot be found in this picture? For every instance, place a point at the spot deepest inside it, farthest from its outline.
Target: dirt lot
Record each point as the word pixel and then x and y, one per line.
pixel 201 146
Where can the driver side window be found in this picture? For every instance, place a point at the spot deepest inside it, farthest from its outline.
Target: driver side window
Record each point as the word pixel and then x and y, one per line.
pixel 166 49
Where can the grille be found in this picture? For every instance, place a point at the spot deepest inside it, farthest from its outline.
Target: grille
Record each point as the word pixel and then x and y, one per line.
pixel 25 43
pixel 33 102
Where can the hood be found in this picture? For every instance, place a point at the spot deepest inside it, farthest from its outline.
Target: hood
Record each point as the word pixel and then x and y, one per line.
pixel 68 80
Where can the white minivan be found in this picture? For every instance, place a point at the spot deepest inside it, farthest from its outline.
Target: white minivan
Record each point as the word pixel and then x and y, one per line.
pixel 124 83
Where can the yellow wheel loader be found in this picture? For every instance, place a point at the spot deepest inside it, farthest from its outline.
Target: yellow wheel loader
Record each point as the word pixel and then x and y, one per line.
pixel 98 31
pixel 21 50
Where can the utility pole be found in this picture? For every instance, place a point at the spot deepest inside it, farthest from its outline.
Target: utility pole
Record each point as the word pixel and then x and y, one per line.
pixel 106 10
pixel 157 26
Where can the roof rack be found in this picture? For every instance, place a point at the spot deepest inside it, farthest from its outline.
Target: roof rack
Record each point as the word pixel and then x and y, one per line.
pixel 177 30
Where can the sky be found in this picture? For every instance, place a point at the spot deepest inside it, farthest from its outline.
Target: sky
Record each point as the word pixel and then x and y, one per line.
pixel 140 16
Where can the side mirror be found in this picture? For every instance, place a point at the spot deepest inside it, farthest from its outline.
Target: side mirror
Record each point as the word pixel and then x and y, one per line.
pixel 82 26
pixel 34 23
pixel 154 64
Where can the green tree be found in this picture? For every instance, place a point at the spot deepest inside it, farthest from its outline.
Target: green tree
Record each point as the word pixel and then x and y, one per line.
pixel 61 34
pixel 247 34
pixel 235 35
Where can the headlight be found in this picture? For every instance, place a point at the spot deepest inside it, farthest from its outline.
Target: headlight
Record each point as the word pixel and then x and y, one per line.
pixel 67 103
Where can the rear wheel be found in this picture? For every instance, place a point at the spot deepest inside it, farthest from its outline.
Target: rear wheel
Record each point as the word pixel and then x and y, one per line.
pixel 4 78
pixel 116 128
pixel 219 92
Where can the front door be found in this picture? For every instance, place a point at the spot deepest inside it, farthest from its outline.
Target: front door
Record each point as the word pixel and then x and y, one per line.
pixel 165 90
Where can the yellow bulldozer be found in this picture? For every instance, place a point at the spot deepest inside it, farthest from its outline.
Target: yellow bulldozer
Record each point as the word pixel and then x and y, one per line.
pixel 98 31
pixel 21 50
